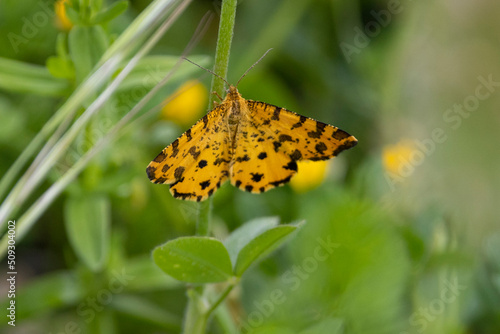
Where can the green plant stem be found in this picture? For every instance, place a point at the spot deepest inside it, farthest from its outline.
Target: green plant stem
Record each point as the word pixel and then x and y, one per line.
pixel 197 311
pixel 203 220
pixel 221 298
pixel 222 51
pixel 226 28
pixel 195 320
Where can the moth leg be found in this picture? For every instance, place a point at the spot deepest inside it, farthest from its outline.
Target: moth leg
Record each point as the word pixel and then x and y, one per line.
pixel 217 94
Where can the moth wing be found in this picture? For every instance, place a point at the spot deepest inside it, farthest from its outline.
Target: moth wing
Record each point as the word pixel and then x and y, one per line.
pixel 196 163
pixel 302 137
pixel 256 167
pixel 273 139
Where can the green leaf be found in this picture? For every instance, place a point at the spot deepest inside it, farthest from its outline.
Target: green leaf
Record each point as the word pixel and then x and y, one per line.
pixel 96 5
pixel 261 246
pixel 240 237
pixel 113 11
pixel 72 14
pixel 60 67
pixel 194 260
pixel 86 46
pixel 16 76
pixel 87 219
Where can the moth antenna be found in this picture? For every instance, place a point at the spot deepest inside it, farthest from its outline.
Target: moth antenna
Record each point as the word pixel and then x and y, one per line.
pixel 209 71
pixel 258 61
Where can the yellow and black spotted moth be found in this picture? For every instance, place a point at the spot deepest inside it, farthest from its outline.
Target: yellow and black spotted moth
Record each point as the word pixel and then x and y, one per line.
pixel 254 144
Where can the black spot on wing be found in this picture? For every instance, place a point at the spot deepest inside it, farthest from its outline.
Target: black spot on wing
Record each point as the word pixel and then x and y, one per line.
pixel 160 180
pixel 178 172
pixel 243 158
pixel 150 170
pixel 256 177
pixel 175 149
pixel 292 165
pixel 262 155
pixel 175 183
pixel 283 138
pixel 160 157
pixel 276 114
pixel 345 146
pixel 351 143
pixel 237 183
pixel 180 195
pixel 320 147
pixel 166 168
pixel 193 152
pixel 340 134
pixel 202 163
pixel 249 188
pixel 205 121
pixel 218 161
pixel 320 158
pixel 188 135
pixel 301 121
pixel 204 184
pixel 320 127
pixel 280 182
pixel 276 146
pixel 296 155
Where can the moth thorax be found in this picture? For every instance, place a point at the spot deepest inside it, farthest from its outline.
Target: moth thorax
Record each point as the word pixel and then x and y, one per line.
pixel 234 113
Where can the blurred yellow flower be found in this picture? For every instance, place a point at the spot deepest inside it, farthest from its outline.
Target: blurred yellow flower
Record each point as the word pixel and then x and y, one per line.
pixel 395 156
pixel 62 20
pixel 187 103
pixel 310 175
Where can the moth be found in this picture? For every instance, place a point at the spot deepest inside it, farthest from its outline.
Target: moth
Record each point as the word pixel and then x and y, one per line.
pixel 253 144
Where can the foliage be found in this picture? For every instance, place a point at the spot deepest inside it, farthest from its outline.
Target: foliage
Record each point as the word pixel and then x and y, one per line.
pixel 399 235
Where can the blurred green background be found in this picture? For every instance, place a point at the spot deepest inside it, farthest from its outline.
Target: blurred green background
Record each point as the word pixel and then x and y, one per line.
pixel 406 222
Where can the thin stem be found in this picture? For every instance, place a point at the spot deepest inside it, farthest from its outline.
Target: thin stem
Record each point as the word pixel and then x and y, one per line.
pixel 203 220
pixel 221 298
pixel 196 319
pixel 226 28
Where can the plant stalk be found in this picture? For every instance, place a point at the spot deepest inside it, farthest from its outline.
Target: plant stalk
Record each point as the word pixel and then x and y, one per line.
pixel 198 311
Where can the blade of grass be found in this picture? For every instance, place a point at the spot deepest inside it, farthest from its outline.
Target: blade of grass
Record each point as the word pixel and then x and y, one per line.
pixel 124 45
pixel 48 157
pixel 33 213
